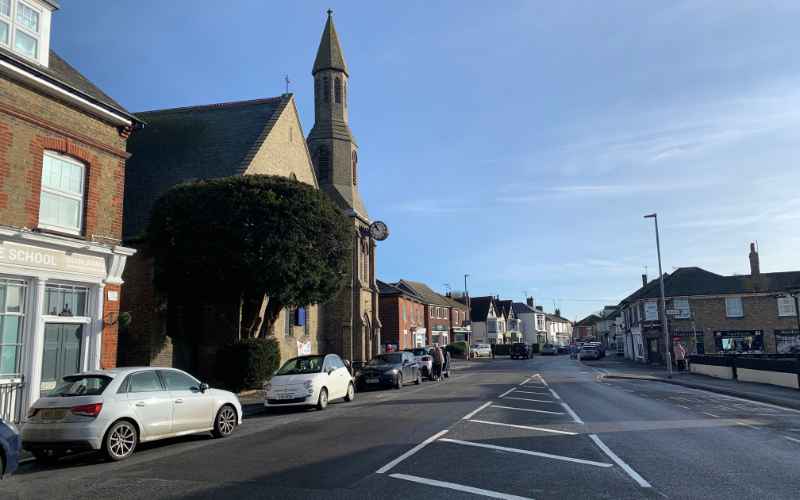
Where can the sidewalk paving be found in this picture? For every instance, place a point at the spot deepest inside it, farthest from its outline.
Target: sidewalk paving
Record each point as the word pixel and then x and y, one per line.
pixel 617 368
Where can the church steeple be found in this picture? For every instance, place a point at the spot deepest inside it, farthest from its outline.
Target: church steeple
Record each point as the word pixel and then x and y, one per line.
pixel 330 141
pixel 329 54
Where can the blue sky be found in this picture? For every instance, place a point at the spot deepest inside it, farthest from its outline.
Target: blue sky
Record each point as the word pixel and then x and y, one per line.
pixel 518 141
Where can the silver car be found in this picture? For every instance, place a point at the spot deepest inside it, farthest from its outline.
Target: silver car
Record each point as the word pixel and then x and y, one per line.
pixel 114 410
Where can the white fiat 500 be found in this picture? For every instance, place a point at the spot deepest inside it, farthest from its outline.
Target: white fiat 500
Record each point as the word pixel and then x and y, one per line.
pixel 114 410
pixel 310 381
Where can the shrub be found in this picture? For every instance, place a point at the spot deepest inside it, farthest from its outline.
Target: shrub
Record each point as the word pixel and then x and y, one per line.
pixel 458 349
pixel 501 349
pixel 248 363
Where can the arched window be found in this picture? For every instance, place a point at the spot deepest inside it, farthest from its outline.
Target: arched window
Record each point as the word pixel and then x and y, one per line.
pixel 323 163
pixel 337 90
pixel 355 168
pixel 326 88
pixel 62 197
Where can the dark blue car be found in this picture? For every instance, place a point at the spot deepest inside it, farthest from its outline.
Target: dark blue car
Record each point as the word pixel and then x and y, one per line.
pixel 9 448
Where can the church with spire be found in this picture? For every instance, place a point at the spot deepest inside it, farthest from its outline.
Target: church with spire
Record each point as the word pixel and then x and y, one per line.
pixel 349 323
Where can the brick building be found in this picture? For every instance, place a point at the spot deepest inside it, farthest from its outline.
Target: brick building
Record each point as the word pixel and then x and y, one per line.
pixel 437 311
pixel 460 328
pixel 710 313
pixel 62 169
pixel 261 136
pixel 402 315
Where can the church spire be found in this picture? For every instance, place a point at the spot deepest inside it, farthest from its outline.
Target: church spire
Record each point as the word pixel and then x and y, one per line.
pixel 329 54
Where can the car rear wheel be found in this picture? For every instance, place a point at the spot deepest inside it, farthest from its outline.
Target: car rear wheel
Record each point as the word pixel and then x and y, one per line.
pixel 322 402
pixel 398 383
pixel 225 422
pixel 351 393
pixel 120 441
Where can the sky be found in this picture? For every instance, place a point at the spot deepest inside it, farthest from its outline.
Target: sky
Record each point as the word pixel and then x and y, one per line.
pixel 519 142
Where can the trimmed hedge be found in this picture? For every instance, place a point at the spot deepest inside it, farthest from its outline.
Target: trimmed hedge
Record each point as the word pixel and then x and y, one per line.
pixel 501 349
pixel 248 363
pixel 458 349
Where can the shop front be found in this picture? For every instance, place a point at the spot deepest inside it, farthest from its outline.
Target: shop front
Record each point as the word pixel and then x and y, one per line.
pixel 57 297
pixel 420 337
pixel 693 341
pixel 440 335
pixel 787 341
pixel 739 341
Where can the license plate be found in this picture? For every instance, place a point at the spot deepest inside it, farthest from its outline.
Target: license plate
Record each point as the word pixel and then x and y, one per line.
pixel 53 413
pixel 285 396
pixel 373 380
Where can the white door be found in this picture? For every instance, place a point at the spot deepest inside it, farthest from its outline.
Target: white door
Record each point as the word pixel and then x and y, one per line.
pixel 151 404
pixel 192 410
pixel 334 378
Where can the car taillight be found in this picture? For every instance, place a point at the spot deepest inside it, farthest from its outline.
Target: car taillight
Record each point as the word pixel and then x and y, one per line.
pixel 91 410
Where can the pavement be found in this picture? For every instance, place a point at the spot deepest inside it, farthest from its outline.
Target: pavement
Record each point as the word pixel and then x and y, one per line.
pixel 617 367
pixel 550 427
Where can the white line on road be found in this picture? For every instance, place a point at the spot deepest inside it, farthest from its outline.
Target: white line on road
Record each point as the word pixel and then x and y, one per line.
pixel 684 406
pixel 710 414
pixel 501 424
pixel 508 391
pixel 572 414
pixel 473 412
pixel 526 381
pixel 457 487
pixel 748 425
pixel 526 452
pixel 410 452
pixel 532 392
pixel 528 409
pixel 792 439
pixel 529 399
pixel 627 468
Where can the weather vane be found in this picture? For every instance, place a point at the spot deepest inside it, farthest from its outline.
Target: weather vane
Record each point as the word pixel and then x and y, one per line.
pixel 286 79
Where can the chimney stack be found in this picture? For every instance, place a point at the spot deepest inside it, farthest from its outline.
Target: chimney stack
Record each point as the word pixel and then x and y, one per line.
pixel 644 280
pixel 755 265
pixel 558 312
pixel 530 302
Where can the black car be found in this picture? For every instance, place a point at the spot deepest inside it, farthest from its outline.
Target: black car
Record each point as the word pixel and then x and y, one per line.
pixel 391 369
pixel 520 351
pixel 562 349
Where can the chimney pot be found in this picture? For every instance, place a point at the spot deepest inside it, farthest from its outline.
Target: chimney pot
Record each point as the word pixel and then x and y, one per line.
pixel 644 280
pixel 755 265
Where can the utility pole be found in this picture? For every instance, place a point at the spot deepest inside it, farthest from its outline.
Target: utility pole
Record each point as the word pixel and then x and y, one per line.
pixel 667 346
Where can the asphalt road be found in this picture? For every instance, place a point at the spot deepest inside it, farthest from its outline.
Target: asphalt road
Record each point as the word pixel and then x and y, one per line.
pixel 545 428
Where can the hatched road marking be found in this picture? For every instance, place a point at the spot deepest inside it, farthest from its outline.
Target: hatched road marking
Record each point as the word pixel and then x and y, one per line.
pixel 457 487
pixel 526 452
pixel 528 427
pixel 528 409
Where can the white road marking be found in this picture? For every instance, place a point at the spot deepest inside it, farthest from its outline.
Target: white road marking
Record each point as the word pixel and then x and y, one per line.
pixel 507 392
pixel 684 406
pixel 532 392
pixel 410 452
pixel 457 487
pixel 627 468
pixel 794 430
pixel 749 402
pixel 748 425
pixel 572 414
pixel 528 409
pixel 501 424
pixel 529 399
pixel 792 439
pixel 526 381
pixel 473 412
pixel 527 452
pixel 710 414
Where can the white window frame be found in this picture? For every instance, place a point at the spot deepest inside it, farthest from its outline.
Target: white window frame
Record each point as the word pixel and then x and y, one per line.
pixel 732 314
pixel 13 26
pixel 783 310
pixel 684 313
pixel 57 192
pixel 21 314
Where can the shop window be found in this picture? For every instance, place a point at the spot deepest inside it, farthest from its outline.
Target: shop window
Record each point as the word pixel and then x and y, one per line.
pixel 733 307
pixel 61 199
pixel 12 310
pixel 65 300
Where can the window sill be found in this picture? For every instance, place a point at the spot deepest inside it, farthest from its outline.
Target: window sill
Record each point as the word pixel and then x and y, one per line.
pixel 59 232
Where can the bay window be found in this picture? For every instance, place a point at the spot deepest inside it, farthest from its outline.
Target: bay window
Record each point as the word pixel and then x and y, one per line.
pixel 20 27
pixel 62 196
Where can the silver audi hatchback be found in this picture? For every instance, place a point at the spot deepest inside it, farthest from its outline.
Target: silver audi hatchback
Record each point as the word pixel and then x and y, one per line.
pixel 114 410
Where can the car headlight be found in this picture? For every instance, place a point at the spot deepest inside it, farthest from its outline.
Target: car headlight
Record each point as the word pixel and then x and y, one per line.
pixel 393 371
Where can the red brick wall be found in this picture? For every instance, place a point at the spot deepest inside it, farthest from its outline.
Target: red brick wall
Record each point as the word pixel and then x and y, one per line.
pixel 430 322
pixel 110 342
pixel 395 330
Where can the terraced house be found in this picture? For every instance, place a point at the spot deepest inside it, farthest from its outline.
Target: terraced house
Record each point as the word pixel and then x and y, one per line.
pixel 62 170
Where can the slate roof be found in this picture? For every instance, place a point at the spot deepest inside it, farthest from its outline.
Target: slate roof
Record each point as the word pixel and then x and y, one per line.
pixel 61 74
pixel 523 308
pixel 504 307
pixel 589 320
pixel 391 289
pixel 329 53
pixel 691 281
pixel 480 308
pixel 423 291
pixel 556 318
pixel 453 302
pixel 197 142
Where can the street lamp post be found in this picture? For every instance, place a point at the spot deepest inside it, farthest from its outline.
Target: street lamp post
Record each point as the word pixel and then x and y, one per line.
pixel 667 352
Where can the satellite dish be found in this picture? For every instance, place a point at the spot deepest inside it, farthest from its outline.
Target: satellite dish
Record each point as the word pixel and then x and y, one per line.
pixel 378 230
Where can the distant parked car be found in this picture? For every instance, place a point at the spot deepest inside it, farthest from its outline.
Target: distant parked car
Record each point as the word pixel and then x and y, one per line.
pixel 549 350
pixel 114 410
pixel 520 351
pixel 588 352
pixel 563 349
pixel 481 350
pixel 310 381
pixel 599 346
pixel 424 358
pixel 10 444
pixel 392 369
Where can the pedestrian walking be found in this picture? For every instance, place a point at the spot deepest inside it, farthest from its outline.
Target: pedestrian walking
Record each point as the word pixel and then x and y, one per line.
pixel 680 356
pixel 438 361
